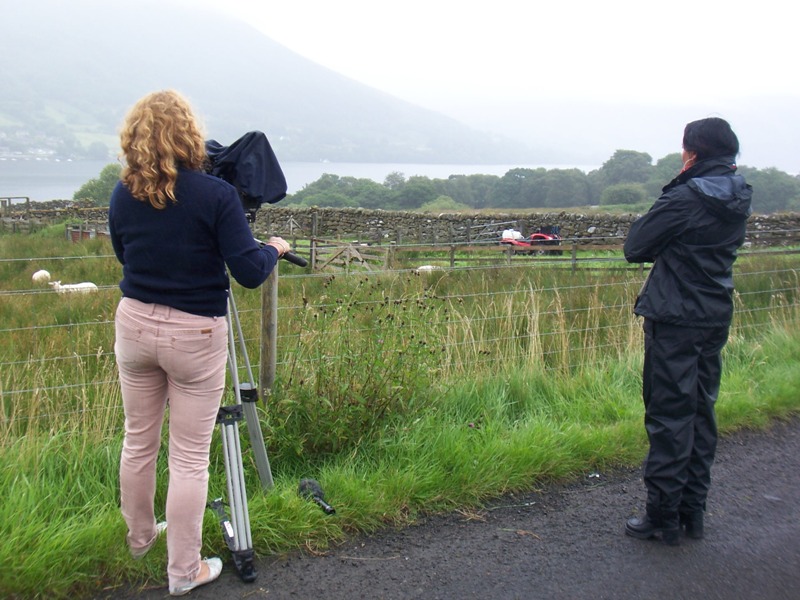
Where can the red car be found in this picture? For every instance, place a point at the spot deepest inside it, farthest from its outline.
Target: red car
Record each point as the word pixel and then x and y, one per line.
pixel 537 243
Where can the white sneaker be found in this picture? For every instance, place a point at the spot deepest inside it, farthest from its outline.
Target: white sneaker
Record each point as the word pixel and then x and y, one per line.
pixel 214 569
pixel 160 528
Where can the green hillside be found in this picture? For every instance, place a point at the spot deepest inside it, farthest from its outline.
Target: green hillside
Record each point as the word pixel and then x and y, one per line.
pixel 71 70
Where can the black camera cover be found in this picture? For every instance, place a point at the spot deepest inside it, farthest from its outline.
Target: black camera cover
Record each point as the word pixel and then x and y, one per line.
pixel 250 165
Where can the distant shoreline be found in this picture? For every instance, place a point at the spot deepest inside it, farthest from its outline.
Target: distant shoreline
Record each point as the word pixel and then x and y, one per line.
pixel 43 180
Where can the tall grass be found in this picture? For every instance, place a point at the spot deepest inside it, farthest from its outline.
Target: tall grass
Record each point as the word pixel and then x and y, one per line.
pixel 401 392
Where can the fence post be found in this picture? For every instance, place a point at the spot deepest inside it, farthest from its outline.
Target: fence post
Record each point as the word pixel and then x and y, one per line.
pixel 389 256
pixel 313 245
pixel 452 255
pixel 269 331
pixel 292 227
pixel 574 256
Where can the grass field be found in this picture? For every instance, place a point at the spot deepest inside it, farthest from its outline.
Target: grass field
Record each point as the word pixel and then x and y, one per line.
pixel 402 393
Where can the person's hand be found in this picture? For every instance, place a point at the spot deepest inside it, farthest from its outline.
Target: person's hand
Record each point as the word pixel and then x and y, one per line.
pixel 280 244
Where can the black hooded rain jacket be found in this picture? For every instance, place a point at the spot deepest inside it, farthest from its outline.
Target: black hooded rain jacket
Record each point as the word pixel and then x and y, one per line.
pixel 691 235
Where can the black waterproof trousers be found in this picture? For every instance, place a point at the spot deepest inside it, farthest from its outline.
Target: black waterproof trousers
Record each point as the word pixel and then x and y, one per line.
pixel 681 377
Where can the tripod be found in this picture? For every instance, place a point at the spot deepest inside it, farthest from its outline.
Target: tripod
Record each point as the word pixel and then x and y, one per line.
pixel 236 527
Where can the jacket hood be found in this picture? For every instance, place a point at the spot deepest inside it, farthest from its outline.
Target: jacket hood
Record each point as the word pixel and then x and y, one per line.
pixel 727 196
pixel 722 192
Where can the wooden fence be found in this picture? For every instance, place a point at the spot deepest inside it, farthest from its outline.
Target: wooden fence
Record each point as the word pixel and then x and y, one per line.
pixel 327 255
pixel 346 256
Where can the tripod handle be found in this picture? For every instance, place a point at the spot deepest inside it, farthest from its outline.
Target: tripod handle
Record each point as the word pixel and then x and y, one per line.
pixel 295 259
pixel 288 256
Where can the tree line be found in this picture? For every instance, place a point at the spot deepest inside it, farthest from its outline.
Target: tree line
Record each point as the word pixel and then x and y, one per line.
pixel 629 180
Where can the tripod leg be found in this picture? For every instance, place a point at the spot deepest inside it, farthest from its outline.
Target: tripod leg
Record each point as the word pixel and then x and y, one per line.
pixel 247 394
pixel 257 442
pixel 236 530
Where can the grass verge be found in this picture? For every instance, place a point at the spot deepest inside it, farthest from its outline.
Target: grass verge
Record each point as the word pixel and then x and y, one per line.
pixel 61 532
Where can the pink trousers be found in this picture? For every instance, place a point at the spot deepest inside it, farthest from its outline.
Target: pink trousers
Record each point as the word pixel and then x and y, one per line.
pixel 167 357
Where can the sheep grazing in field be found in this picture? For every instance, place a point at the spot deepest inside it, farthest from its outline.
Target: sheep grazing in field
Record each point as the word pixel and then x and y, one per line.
pixel 428 268
pixel 41 276
pixel 80 288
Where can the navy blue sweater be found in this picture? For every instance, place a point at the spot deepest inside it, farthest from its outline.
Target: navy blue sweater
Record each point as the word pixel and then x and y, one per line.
pixel 177 256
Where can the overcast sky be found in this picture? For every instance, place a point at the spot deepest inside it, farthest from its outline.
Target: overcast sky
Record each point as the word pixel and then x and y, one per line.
pixel 629 72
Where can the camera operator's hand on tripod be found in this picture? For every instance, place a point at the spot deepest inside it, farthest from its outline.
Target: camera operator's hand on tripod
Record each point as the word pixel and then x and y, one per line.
pixel 280 244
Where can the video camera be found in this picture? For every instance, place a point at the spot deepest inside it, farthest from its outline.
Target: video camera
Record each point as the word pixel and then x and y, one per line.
pixel 250 165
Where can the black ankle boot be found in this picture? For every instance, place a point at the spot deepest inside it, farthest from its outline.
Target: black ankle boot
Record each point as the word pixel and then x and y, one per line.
pixel 650 525
pixel 692 523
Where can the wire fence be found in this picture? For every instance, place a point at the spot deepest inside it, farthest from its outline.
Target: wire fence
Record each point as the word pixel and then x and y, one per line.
pixel 57 363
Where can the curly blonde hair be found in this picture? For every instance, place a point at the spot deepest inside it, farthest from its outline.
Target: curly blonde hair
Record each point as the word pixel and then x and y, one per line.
pixel 159 134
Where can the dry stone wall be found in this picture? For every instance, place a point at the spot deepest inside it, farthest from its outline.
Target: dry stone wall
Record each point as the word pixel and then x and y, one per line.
pixel 400 227
pixel 378 226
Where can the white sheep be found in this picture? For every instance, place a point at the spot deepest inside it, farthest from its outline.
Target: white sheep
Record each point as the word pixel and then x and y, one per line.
pixel 428 268
pixel 41 276
pixel 80 288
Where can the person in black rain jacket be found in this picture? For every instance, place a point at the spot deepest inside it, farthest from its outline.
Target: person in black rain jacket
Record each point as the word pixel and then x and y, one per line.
pixel 691 235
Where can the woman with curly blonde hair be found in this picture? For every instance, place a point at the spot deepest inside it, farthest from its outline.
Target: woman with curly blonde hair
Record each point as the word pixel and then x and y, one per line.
pixel 174 229
pixel 159 135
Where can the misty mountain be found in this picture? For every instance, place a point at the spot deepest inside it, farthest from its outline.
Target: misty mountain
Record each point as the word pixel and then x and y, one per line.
pixel 72 69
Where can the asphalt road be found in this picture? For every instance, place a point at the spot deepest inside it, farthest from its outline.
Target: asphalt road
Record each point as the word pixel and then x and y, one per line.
pixel 567 542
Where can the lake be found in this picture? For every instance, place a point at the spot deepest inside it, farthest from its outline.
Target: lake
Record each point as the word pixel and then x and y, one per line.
pixel 43 180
